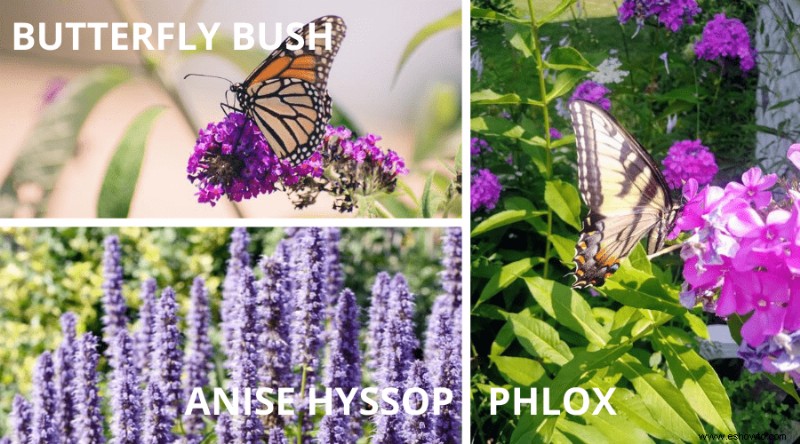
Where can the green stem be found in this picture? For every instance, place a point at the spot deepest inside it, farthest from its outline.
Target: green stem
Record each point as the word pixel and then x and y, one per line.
pixel 300 414
pixel 697 101
pixel 537 53
pixel 128 13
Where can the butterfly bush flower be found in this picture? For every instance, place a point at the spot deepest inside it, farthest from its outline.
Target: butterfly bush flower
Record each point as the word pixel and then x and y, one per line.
pixel 44 428
pixel 20 420
pixel 115 317
pixel 486 190
pixel 343 370
pixel 126 397
pixel 143 338
pixel 65 374
pixel 89 419
pixel 593 92
pixel 232 158
pixel 350 168
pixel 555 134
pixel 239 260
pixel 689 159
pixel 199 353
pixel 749 231
pixel 673 14
pixel 726 39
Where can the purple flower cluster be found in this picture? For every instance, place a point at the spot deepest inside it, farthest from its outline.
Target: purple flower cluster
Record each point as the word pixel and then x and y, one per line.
pixel 232 158
pixel 126 397
pixel 555 134
pixel 673 14
pixel 725 38
pixel 88 420
pixel 743 256
pixel 593 92
pixel 143 343
pixel 349 168
pixel 199 353
pixel 485 190
pixel 689 159
pixel 780 354
pixel 479 146
pixel 115 318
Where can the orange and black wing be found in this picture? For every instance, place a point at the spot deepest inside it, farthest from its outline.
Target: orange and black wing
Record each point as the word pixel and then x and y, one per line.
pixel 290 101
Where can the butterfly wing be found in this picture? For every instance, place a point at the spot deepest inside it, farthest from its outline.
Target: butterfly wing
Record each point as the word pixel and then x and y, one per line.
pixel 626 193
pixel 288 92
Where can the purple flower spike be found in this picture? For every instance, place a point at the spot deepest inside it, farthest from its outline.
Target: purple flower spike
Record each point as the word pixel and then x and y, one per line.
pixel 419 429
pixel 309 256
pixel 167 357
pixel 224 428
pixel 689 159
pixel 158 417
pixel 115 318
pixel 65 374
pixel 451 260
pixel 272 311
pixel 379 303
pixel 44 428
pixel 333 266
pixel 486 190
pixel 276 436
pixel 20 420
pixel 343 370
pixel 126 397
pixel 143 338
pixel 444 364
pixel 199 354
pixel 726 39
pixel 239 260
pixel 247 358
pixel 592 92
pixel 89 420
pixel 397 353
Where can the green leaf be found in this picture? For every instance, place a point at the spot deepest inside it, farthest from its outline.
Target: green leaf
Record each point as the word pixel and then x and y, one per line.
pixel 450 21
pixel 567 307
pixel 504 338
pixel 566 57
pixel 632 406
pixel 580 433
pixel 520 43
pixel 552 15
pixel 425 199
pixel 539 338
pixel 697 380
pixel 565 81
pixel 664 401
pixel 123 171
pixel 505 277
pixel 563 198
pixel 489 97
pixel 522 372
pixel 504 218
pixel 439 114
pixel 565 248
pixel 53 140
pixel 488 14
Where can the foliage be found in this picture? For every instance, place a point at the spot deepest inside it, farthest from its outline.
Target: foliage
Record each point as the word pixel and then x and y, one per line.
pixel 529 328
pixel 758 405
pixel 46 272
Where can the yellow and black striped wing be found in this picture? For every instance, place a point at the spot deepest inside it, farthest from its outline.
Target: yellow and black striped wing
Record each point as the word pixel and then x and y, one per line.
pixel 626 193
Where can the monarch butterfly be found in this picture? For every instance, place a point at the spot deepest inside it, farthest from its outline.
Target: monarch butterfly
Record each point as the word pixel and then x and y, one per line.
pixel 627 195
pixel 287 94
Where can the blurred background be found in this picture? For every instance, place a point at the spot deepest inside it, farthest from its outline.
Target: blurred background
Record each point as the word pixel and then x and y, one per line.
pixel 417 114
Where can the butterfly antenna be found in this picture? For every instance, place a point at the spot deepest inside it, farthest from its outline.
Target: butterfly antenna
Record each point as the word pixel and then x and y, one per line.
pixel 669 249
pixel 207 75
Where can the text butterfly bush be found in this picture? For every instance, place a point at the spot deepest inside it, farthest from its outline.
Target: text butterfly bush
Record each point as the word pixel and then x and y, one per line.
pixel 232 158
pixel 743 258
pixel 144 397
